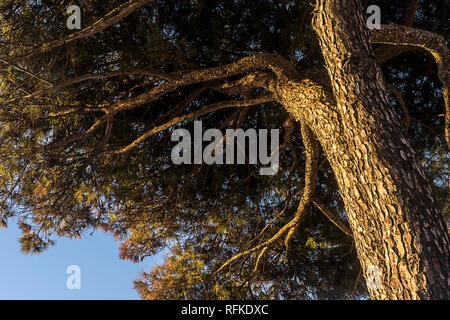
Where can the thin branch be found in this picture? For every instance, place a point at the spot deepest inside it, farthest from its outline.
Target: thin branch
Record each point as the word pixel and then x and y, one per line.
pixel 357 280
pixel 186 101
pixel 86 77
pixel 267 243
pixel 410 13
pixel 269 61
pixel 25 71
pixel 409 118
pixel 311 174
pixel 272 221
pixel 258 260
pixel 106 21
pixel 401 101
pixel 332 217
pixel 97 124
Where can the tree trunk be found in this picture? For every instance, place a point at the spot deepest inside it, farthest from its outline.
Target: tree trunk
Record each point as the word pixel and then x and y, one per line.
pixel 400 235
pixel 399 232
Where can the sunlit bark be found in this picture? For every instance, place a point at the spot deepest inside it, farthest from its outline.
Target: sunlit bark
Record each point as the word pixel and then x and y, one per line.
pixel 396 224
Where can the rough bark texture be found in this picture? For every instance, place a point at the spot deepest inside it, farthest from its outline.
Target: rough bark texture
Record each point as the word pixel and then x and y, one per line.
pixel 394 220
pixel 396 224
pixel 397 227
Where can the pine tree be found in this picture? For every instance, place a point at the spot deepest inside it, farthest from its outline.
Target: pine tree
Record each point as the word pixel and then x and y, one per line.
pixel 85 142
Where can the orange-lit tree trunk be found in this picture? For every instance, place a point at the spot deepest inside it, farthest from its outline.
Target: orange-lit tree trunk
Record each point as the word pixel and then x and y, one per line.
pixel 397 227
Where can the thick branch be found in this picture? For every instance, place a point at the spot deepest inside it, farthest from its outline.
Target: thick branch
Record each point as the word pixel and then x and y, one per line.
pixel 431 42
pixel 387 52
pixel 405 36
pixel 273 62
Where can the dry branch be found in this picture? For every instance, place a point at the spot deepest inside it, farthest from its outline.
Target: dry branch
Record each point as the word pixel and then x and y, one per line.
pixel 312 155
pixel 195 114
pixel 106 21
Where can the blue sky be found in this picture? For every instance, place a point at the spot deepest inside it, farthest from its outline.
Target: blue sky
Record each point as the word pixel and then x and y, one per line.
pixel 43 276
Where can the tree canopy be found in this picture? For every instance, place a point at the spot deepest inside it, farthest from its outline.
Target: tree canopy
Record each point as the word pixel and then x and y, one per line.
pixel 86 120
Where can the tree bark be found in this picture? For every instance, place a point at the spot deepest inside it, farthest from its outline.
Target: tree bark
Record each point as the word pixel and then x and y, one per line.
pixel 397 226
pixel 400 235
pixel 399 232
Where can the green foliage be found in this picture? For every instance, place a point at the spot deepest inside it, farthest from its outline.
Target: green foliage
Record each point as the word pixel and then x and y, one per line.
pixel 203 214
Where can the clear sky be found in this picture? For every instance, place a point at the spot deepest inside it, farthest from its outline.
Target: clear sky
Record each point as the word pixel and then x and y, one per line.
pixel 43 276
